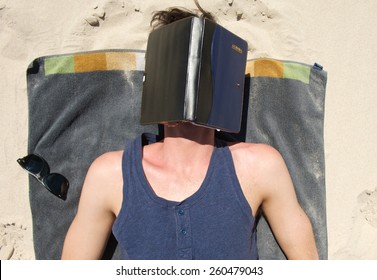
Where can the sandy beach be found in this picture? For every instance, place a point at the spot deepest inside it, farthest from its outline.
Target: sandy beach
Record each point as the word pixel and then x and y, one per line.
pixel 337 34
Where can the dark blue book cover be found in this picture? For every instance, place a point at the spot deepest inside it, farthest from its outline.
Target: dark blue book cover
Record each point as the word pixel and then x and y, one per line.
pixel 195 71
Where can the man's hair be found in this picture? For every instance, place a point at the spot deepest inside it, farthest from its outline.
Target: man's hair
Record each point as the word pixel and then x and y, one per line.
pixel 161 18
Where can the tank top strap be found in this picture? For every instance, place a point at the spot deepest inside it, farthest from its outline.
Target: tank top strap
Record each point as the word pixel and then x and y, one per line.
pixel 228 167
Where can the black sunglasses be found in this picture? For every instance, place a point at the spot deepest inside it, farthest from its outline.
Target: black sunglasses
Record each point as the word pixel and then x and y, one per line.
pixel 37 167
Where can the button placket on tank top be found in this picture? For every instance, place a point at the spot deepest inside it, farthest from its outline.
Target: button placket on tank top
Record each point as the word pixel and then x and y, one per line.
pixel 184 237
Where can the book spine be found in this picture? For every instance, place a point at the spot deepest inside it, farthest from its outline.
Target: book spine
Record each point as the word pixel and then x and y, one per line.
pixel 193 67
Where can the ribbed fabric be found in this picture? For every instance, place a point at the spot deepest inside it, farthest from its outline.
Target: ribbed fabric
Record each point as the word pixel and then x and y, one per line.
pixel 216 222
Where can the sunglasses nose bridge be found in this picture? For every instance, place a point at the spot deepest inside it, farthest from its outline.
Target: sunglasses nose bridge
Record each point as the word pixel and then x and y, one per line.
pixel 45 170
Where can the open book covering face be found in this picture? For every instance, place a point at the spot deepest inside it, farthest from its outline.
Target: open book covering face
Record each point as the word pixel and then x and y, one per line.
pixel 194 71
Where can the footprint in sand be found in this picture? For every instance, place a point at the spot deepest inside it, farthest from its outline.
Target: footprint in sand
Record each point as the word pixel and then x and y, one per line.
pixel 11 241
pixel 368 206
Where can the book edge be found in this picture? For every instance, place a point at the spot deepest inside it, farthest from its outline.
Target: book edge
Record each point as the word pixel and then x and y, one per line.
pixel 193 66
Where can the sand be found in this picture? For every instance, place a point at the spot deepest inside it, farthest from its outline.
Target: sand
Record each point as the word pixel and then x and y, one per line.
pixel 340 35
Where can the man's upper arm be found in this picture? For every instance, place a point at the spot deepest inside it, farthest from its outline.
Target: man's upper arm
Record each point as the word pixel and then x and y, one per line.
pixel 91 227
pixel 288 221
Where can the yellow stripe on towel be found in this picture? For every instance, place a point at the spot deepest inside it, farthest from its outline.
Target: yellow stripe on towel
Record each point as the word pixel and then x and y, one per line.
pixel 90 62
pixel 265 68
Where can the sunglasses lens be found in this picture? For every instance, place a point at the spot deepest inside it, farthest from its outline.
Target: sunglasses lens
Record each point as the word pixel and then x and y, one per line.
pixel 34 165
pixel 57 184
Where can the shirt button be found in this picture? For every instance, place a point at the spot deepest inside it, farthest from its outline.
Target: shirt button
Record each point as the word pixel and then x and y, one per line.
pixel 181 212
pixel 184 231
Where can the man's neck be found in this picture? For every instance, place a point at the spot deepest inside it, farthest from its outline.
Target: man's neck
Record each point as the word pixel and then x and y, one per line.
pixel 177 166
pixel 189 133
pixel 186 144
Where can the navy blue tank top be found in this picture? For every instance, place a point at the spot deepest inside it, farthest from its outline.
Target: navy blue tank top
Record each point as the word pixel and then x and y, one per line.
pixel 216 222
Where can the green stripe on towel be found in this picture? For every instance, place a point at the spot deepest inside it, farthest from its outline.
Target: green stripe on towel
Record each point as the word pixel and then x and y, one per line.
pixel 59 65
pixel 297 71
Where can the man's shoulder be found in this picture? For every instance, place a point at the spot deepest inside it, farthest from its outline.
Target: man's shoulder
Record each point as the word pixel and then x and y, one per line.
pixel 262 159
pixel 253 151
pixel 109 158
pixel 107 165
pixel 260 166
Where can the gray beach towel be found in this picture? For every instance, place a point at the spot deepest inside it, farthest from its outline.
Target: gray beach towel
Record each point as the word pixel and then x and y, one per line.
pixel 286 111
pixel 85 104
